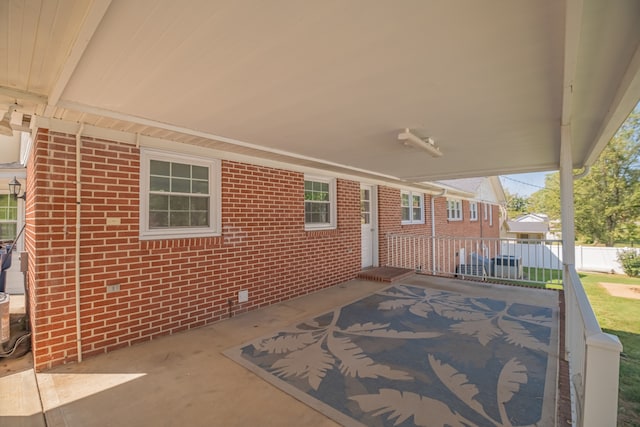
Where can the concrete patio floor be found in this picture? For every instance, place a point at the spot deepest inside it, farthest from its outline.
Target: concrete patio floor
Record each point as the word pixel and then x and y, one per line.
pixel 178 380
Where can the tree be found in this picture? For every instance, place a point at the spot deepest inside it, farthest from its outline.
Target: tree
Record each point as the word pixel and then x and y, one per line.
pixel 607 200
pixel 547 200
pixel 516 205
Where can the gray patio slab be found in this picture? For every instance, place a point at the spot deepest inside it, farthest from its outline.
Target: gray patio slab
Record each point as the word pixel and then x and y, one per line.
pixel 178 380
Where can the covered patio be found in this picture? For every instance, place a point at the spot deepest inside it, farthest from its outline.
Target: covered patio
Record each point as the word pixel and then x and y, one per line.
pixel 188 379
pixel 273 96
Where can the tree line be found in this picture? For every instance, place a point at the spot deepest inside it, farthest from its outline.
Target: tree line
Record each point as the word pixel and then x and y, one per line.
pixel 606 199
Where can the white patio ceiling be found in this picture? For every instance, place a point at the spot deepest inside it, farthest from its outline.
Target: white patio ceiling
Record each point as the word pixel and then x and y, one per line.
pixel 334 82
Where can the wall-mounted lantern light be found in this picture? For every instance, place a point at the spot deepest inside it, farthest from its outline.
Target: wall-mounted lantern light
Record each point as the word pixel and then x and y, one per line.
pixel 14 189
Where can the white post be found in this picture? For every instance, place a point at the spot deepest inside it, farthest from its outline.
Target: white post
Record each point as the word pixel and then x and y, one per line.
pixel 566 197
pixel 601 380
pixel 568 226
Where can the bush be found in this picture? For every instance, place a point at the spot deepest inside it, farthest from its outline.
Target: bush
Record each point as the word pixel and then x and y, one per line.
pixel 630 261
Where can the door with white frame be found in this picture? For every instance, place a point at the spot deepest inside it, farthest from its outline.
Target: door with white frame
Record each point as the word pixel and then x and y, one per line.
pixel 368 220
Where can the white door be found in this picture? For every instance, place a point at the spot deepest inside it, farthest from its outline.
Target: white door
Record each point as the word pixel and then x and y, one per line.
pixel 367 219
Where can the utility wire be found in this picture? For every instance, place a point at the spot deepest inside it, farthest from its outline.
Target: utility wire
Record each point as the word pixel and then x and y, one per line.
pixel 522 182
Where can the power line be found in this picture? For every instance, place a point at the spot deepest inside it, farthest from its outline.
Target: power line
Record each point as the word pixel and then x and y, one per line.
pixel 522 182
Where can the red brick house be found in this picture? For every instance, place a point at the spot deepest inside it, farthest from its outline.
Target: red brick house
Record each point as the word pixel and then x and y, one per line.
pixel 277 118
pixel 169 241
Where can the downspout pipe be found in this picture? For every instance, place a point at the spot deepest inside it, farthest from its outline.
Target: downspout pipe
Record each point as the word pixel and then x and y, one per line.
pixel 582 174
pixel 433 229
pixel 77 253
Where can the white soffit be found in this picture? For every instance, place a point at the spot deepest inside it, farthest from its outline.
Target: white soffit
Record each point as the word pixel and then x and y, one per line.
pixel 335 81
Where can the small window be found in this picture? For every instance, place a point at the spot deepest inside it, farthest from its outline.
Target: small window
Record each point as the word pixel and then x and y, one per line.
pixel 490 215
pixel 8 217
pixel 454 210
pixel 412 207
pixel 473 211
pixel 486 211
pixel 179 196
pixel 319 203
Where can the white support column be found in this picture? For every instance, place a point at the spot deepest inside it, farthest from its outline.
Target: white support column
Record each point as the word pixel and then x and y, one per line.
pixel 601 380
pixel 566 197
pixel 568 231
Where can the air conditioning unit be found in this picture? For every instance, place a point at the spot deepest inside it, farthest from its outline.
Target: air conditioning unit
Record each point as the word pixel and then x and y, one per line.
pixel 507 267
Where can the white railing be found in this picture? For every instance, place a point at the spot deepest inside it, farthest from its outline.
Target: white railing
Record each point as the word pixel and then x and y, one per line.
pixel 594 359
pixel 531 261
pixel 409 251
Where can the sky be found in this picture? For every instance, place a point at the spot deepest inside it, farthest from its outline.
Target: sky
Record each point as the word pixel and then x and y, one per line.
pixel 523 184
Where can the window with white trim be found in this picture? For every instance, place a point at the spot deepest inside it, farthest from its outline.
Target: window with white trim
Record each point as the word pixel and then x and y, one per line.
pixel 319 203
pixel 8 217
pixel 454 210
pixel 179 195
pixel 412 206
pixel 490 215
pixel 486 211
pixel 473 211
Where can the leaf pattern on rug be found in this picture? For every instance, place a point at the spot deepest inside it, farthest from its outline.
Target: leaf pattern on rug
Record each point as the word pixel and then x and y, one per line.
pixel 477 318
pixel 425 411
pixel 312 350
pixel 400 365
pixel 457 382
pixel 355 363
pixel 311 362
pixel 286 343
pixel 512 375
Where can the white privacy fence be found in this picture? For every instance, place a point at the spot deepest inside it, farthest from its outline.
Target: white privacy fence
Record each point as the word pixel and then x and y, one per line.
pixel 588 258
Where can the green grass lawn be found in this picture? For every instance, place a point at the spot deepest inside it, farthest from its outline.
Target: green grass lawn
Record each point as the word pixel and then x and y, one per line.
pixel 621 317
pixel 537 278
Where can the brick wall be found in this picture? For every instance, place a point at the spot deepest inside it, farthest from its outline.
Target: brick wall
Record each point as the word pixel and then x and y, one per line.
pixel 464 235
pixel 166 285
pixel 447 252
pixel 466 227
pixel 390 219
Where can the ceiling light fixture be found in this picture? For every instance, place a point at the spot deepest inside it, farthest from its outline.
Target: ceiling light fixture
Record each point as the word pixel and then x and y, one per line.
pixel 5 123
pixel 427 144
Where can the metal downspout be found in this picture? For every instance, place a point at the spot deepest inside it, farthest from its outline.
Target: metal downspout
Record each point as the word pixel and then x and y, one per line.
pixel 77 254
pixel 433 230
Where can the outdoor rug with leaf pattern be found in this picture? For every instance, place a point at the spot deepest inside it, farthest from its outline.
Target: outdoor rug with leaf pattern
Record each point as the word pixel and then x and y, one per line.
pixel 409 355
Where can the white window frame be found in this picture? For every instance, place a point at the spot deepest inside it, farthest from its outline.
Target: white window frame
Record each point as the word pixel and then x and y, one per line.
pixel 333 202
pixel 473 211
pixel 454 210
pixel 11 206
pixel 490 215
pixel 411 219
pixel 215 205
pixel 486 209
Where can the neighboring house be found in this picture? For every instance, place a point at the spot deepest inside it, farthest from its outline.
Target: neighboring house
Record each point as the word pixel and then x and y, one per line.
pixel 174 239
pixel 480 215
pixel 530 226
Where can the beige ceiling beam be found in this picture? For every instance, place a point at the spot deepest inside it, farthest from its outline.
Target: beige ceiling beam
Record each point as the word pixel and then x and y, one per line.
pixel 92 19
pixel 18 94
